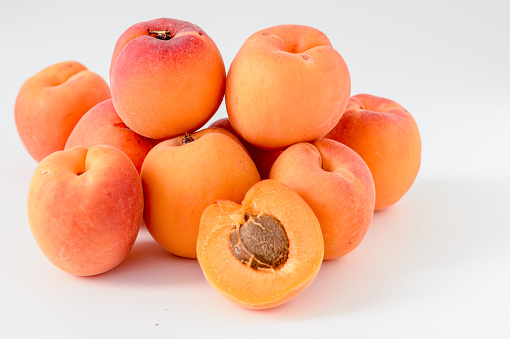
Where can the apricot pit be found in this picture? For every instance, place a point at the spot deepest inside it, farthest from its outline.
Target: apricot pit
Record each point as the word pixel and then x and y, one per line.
pixel 260 243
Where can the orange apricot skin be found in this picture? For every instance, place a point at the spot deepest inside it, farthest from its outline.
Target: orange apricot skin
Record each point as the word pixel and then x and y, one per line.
pixel 164 88
pixel 50 103
pixel 338 186
pixel 179 181
pixel 286 84
pixel 386 136
pixel 263 159
pixel 85 208
pixel 264 288
pixel 101 125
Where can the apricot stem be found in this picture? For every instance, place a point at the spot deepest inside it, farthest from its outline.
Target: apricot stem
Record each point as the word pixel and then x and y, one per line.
pixel 187 138
pixel 162 35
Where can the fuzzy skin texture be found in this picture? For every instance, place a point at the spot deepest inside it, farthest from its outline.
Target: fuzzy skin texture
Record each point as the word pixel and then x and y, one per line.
pixel 338 186
pixel 386 136
pixel 287 84
pixel 50 103
pixel 181 180
pixel 85 208
pixel 164 88
pixel 101 125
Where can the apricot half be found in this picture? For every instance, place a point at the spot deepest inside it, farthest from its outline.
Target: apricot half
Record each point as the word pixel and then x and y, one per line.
pixel 264 252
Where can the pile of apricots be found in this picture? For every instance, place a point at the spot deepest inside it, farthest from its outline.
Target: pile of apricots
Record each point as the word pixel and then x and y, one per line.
pixel 291 178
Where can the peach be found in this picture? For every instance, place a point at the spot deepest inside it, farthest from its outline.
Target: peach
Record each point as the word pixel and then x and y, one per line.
pixel 85 208
pixel 181 176
pixel 263 159
pixel 286 84
pixel 101 125
pixel 337 184
pixel 167 78
pixel 386 136
pixel 264 252
pixel 50 103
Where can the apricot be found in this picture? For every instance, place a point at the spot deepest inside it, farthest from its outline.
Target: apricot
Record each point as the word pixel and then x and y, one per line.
pixel 263 252
pixel 101 125
pixel 337 184
pixel 167 78
pixel 263 159
pixel 182 175
pixel 386 136
pixel 50 103
pixel 286 84
pixel 85 208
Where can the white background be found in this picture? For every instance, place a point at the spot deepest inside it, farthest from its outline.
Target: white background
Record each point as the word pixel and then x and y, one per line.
pixel 436 264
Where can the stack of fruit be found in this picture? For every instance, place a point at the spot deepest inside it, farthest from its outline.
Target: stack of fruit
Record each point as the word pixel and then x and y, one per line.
pixel 290 179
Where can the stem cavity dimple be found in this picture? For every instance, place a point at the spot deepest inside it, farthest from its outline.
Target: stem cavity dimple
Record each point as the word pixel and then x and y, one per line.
pixel 161 35
pixel 187 138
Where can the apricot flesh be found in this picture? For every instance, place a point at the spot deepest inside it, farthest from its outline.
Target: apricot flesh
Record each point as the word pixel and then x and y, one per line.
pixel 279 279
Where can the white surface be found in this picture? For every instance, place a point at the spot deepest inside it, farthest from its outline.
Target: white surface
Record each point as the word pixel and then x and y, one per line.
pixel 434 265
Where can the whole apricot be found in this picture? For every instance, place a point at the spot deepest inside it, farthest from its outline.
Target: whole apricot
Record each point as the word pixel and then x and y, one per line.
pixel 167 77
pixel 337 184
pixel 85 208
pixel 50 103
pixel 386 136
pixel 287 84
pixel 183 175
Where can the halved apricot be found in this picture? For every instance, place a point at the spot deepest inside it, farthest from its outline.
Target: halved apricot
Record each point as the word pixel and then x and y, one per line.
pixel 264 252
